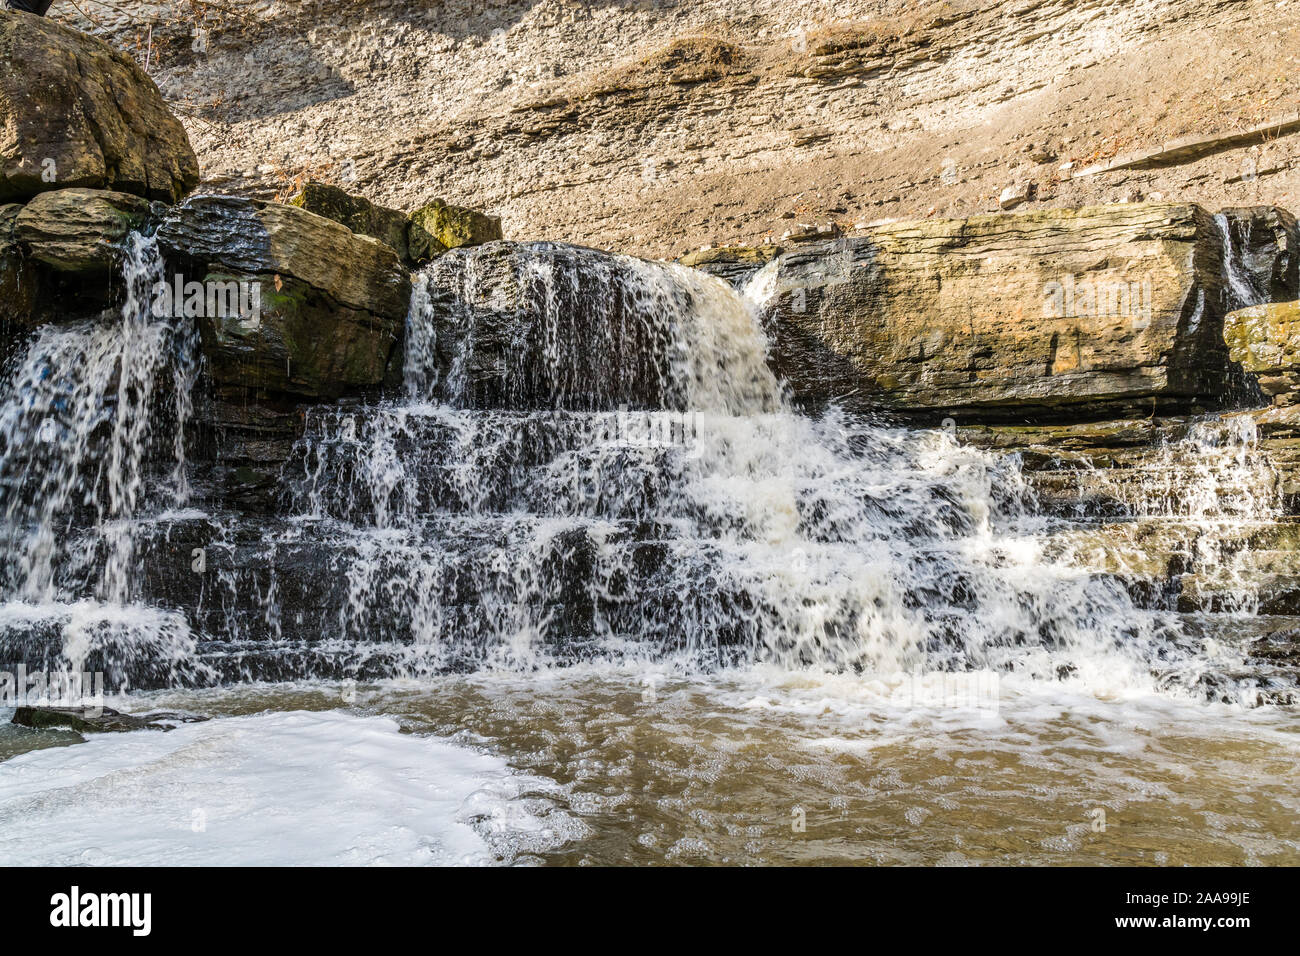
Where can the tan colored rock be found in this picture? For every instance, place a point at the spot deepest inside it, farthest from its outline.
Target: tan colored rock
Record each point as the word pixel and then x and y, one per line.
pixel 1265 339
pixel 357 213
pixel 79 231
pixel 735 264
pixel 331 304
pixel 653 129
pixel 243 235
pixel 1114 309
pixel 75 112
pixel 1014 195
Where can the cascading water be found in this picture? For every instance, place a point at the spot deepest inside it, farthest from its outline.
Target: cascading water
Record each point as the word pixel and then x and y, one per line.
pixel 592 461
pixel 712 525
pixel 592 465
pixel 85 413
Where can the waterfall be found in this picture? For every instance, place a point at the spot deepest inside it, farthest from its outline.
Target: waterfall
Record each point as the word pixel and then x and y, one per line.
pixel 591 462
pixel 712 526
pixel 87 413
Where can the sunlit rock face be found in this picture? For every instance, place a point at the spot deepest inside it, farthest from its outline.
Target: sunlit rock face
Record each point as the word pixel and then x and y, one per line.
pixel 1049 315
pixel 1265 339
pixel 76 112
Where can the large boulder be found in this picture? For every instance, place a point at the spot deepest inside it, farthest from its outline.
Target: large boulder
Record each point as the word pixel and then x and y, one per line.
pixel 332 304
pixel 76 112
pixel 1047 315
pixel 254 237
pixel 1265 339
pixel 357 213
pixel 60 255
pixel 79 231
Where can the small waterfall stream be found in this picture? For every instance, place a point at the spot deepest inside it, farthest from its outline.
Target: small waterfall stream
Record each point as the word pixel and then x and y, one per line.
pixel 92 442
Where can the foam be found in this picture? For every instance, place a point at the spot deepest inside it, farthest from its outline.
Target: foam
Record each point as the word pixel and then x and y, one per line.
pixel 273 789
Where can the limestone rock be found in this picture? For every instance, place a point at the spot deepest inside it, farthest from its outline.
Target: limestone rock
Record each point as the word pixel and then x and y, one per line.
pixel 249 236
pixel 437 227
pixel 1265 339
pixel 75 112
pixel 1015 195
pixel 357 213
pixel 79 231
pixel 734 264
pixel 1049 314
pixel 330 304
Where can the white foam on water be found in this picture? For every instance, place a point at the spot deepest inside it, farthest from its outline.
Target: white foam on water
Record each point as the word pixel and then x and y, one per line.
pixel 273 789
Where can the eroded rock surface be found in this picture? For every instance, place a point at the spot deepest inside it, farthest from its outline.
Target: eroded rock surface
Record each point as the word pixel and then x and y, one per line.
pixel 1054 314
pixel 80 231
pixel 76 112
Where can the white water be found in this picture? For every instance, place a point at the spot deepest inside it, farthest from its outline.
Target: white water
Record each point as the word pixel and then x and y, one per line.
pixel 303 789
pixel 80 422
pixel 645 494
pixel 734 530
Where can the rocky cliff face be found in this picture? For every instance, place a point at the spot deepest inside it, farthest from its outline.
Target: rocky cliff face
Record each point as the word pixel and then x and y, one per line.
pixel 1073 313
pixel 656 127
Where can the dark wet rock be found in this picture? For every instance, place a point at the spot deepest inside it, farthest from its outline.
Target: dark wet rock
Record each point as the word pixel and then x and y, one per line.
pixel 75 112
pixel 1264 242
pixel 18 284
pixel 94 720
pixel 553 326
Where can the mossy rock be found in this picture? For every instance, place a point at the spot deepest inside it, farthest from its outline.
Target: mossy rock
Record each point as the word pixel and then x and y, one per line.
pixel 437 227
pixel 299 341
pixel 359 214
pixel 1264 338
pixel 79 231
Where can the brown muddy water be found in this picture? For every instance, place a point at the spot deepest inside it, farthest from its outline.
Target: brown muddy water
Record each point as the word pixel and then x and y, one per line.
pixel 755 768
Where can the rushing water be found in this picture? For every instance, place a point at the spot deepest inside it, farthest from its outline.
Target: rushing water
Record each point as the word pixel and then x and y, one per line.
pixel 595 540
